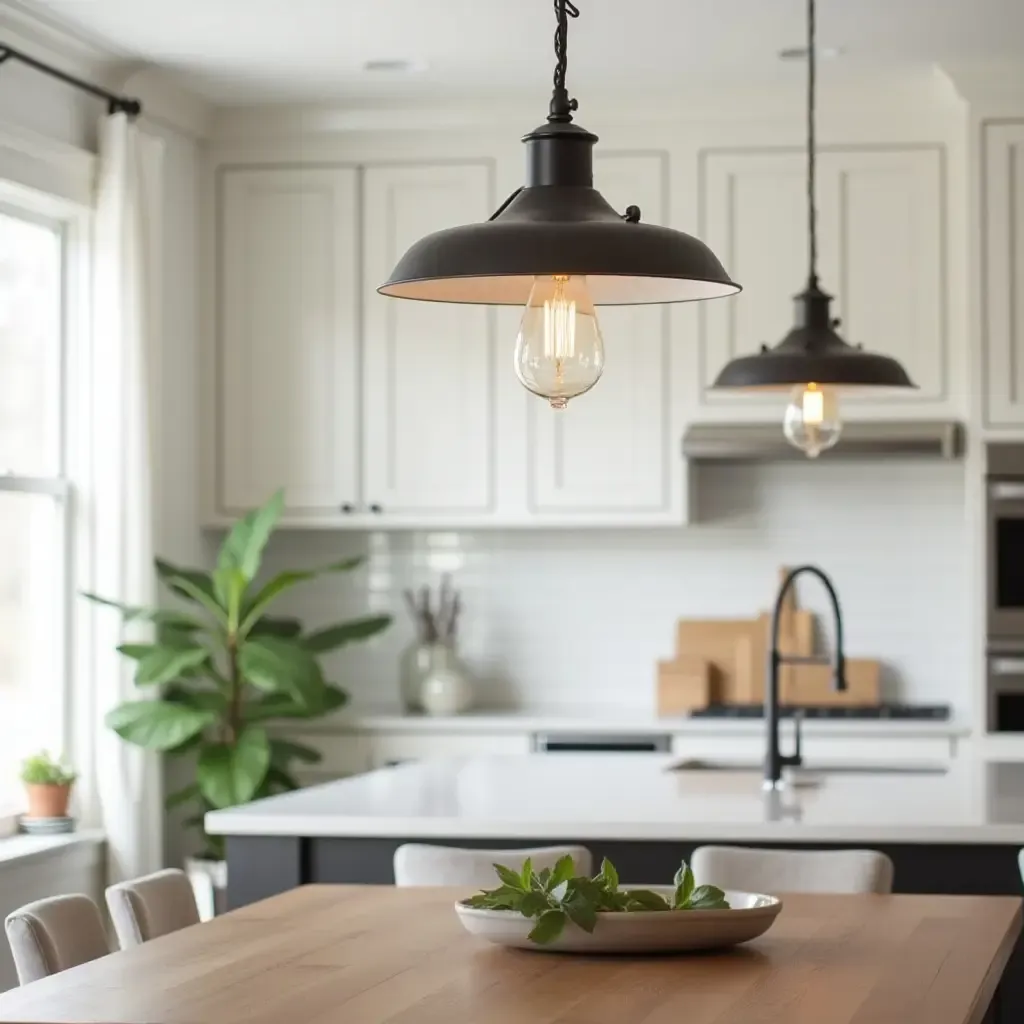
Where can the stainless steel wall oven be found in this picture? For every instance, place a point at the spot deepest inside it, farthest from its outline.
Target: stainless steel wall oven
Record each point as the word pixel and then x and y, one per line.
pixel 1004 576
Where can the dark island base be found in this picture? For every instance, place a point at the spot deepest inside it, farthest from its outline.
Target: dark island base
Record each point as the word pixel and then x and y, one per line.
pixel 261 866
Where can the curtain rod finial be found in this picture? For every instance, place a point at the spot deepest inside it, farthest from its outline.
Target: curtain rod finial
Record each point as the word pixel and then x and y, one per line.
pixel 133 108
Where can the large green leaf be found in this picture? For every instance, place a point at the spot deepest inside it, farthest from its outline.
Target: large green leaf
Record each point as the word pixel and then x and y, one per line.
pixel 285 581
pixel 200 697
pixel 135 651
pixel 230 774
pixel 243 547
pixel 157 724
pixel 171 575
pixel 229 586
pixel 282 752
pixel 172 635
pixel 199 587
pixel 282 705
pixel 158 664
pixel 268 626
pixel 276 665
pixel 333 637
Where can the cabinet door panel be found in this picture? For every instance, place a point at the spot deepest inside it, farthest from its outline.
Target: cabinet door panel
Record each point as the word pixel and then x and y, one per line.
pixel 610 449
pixel 881 248
pixel 428 387
pixel 754 220
pixel 885 262
pixel 1003 284
pixel 287 399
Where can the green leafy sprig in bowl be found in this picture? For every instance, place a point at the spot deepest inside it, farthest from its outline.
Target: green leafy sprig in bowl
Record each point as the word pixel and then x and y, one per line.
pixel 554 896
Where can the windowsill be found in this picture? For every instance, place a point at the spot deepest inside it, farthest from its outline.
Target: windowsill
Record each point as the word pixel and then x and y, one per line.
pixel 21 848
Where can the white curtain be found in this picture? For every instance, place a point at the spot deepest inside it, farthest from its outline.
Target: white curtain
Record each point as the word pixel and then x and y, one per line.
pixel 126 791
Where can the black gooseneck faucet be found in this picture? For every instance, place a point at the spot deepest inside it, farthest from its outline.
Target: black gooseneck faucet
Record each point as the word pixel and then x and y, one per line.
pixel 774 760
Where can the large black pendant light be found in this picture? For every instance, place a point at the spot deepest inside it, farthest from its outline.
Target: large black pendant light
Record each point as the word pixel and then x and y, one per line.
pixel 812 360
pixel 558 248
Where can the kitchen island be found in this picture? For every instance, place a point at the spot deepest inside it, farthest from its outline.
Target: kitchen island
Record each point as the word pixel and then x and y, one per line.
pixel 644 810
pixel 950 829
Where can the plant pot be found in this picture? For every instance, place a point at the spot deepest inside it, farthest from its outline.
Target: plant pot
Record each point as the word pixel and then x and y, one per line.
pixel 209 879
pixel 46 800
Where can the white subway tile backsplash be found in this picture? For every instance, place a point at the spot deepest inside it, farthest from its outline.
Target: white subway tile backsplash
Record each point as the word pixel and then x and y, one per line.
pixel 579 617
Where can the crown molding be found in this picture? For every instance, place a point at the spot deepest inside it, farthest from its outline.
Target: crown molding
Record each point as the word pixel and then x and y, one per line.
pixel 913 91
pixel 165 101
pixel 167 104
pixel 65 49
pixel 994 87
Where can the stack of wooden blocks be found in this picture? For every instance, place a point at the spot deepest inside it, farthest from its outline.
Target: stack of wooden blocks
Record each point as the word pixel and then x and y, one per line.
pixel 725 661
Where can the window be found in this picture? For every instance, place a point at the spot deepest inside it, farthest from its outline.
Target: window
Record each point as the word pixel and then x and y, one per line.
pixel 34 491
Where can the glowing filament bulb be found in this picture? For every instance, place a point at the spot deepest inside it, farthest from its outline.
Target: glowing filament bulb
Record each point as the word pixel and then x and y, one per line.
pixel 559 352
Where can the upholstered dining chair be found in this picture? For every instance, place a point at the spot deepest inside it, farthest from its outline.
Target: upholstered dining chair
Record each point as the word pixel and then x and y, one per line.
pixel 51 935
pixel 424 864
pixel 154 905
pixel 769 871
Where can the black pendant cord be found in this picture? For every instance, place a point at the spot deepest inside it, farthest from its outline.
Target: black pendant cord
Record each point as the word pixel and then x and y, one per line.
pixel 562 106
pixel 812 213
pixel 115 104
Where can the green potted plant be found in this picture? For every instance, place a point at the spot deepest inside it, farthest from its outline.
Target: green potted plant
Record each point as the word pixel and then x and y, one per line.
pixel 227 670
pixel 47 786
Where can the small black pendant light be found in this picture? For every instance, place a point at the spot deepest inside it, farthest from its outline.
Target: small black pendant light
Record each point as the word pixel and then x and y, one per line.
pixel 812 353
pixel 559 226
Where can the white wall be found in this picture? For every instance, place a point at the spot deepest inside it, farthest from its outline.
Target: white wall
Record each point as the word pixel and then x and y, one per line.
pixel 579 618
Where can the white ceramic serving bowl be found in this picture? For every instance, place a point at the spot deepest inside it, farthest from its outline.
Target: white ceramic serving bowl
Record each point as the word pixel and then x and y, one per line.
pixel 642 931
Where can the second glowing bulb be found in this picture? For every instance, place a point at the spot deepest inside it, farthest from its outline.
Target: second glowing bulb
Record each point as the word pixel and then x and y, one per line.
pixel 811 422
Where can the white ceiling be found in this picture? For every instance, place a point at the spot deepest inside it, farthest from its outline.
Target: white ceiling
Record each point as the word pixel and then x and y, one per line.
pixel 252 51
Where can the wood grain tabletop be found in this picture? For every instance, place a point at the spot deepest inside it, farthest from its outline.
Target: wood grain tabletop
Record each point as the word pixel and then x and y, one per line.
pixel 381 955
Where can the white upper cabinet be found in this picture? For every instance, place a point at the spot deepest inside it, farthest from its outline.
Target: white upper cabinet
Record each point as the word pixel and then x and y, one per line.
pixel 612 452
pixel 881 245
pixel 287 391
pixel 1003 283
pixel 428 385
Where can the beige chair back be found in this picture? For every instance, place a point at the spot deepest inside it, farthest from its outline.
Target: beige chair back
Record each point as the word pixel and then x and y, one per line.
pixel 51 935
pixel 773 871
pixel 146 908
pixel 422 864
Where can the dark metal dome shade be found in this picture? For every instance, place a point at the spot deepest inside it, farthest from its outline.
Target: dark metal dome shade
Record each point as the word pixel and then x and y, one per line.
pixel 559 224
pixel 812 352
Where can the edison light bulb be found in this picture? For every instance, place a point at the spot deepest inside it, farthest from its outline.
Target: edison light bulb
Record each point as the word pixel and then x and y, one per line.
pixel 812 420
pixel 559 352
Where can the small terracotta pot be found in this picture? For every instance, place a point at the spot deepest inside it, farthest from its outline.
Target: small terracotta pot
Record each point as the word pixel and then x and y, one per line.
pixel 46 800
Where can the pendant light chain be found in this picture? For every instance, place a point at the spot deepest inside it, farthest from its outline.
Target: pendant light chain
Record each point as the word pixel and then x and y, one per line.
pixel 812 213
pixel 561 106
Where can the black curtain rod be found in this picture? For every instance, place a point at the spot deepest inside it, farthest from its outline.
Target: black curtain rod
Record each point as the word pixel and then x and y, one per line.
pixel 115 104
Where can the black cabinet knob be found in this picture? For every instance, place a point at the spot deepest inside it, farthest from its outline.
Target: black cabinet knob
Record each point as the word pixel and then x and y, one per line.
pixel 347 507
pixel 376 509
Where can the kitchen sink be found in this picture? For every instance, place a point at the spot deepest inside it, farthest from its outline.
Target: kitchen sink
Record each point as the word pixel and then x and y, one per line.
pixel 696 764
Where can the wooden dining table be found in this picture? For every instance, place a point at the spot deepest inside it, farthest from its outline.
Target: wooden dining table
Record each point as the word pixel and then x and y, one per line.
pixel 383 955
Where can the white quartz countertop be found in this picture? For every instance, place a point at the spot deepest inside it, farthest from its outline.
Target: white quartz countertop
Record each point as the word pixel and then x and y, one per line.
pixel 606 721
pixel 640 797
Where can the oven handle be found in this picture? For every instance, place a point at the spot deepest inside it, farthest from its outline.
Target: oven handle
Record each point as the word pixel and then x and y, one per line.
pixel 1007 666
pixel 1004 491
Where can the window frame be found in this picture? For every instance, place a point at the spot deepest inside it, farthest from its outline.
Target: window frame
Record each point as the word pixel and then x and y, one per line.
pixel 73 225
